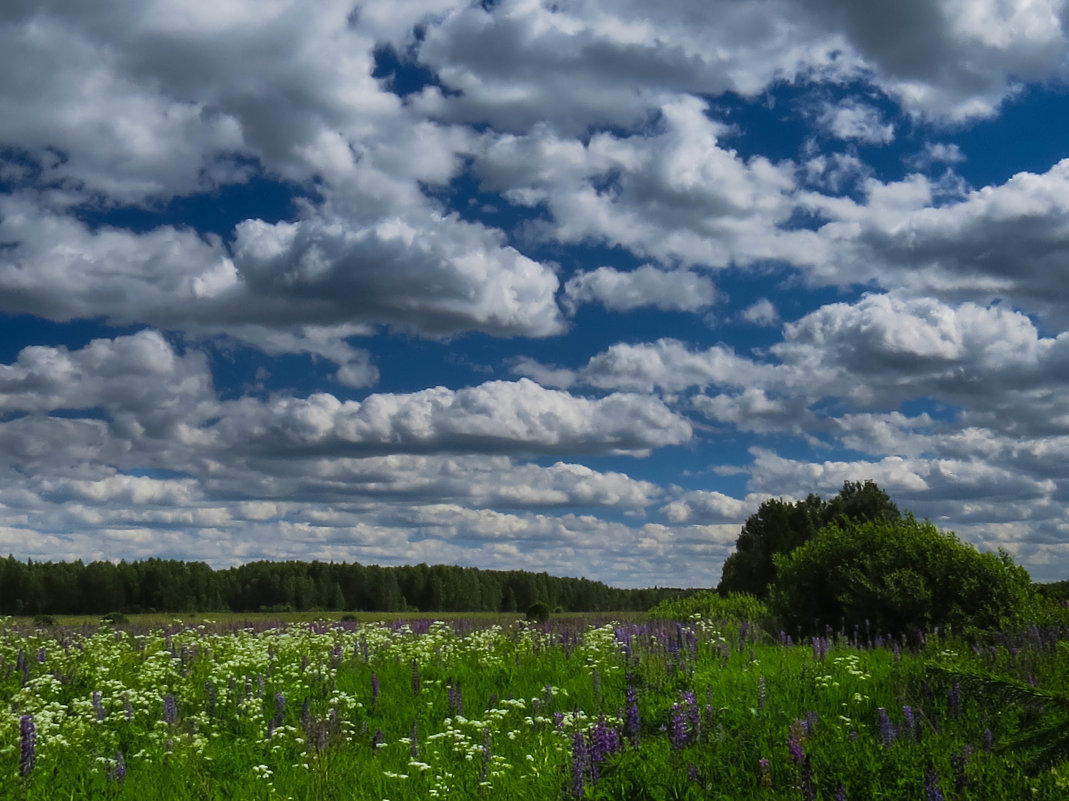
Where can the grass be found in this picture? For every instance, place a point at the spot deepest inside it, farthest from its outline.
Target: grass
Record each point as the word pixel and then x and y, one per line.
pixel 489 707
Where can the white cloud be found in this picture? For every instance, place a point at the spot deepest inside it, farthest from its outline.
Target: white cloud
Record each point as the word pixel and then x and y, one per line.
pixel 675 290
pixel 761 312
pixel 855 121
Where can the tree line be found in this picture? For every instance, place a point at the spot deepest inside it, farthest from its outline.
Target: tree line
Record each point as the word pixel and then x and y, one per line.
pixel 167 585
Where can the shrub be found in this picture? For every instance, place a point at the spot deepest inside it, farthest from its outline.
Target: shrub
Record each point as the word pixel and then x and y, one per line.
pixel 897 576
pixel 44 620
pixel 538 612
pixel 710 605
pixel 115 619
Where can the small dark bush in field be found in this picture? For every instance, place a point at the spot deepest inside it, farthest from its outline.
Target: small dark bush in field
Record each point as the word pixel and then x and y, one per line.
pixel 115 618
pixel 44 620
pixel 349 618
pixel 897 576
pixel 538 612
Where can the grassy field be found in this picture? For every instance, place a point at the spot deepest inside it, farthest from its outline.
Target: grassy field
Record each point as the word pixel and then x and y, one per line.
pixel 250 707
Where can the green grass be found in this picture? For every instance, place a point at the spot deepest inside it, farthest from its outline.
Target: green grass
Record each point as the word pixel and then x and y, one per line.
pixel 728 704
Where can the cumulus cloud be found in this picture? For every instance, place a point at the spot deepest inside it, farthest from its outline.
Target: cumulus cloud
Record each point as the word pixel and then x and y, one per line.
pixel 676 290
pixel 855 121
pixel 761 312
pixel 498 415
pixel 667 365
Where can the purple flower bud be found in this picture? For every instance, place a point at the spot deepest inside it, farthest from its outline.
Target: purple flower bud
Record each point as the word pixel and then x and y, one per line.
pixel 954 700
pixel 579 763
pixel 374 688
pixel 931 786
pixel 280 708
pixel 632 724
pixel 888 734
pixel 28 742
pixel 118 772
pixel 677 730
pixel 797 753
pixel 170 709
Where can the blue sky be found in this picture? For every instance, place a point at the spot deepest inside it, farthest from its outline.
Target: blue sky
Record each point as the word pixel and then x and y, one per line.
pixel 553 286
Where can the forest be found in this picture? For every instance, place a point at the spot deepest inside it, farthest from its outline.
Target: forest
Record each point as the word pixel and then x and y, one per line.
pixel 168 585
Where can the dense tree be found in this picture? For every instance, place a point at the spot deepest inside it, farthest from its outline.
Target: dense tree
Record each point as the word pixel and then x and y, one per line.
pixel 895 576
pixel 778 527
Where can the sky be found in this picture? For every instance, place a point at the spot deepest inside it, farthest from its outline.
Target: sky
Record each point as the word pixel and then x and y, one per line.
pixel 562 286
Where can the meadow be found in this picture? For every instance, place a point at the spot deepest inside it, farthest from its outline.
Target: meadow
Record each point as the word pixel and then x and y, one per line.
pixel 244 707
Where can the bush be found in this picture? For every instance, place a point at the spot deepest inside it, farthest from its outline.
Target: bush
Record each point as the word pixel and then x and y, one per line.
pixel 538 612
pixel 897 576
pixel 44 620
pixel 710 605
pixel 115 619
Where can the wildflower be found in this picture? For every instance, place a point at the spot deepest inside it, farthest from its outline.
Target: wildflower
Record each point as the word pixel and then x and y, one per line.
pixel 910 722
pixel 887 728
pixel 280 709
pixel 374 688
pixel 795 747
pixel 765 769
pixel 840 793
pixel 413 736
pixel 988 742
pixel 416 685
pixel 677 730
pixel 378 741
pixel 762 693
pixel 486 755
pixel 954 700
pixel 28 750
pixel 170 709
pixel 579 763
pixel 118 771
pixel 632 724
pixel 931 785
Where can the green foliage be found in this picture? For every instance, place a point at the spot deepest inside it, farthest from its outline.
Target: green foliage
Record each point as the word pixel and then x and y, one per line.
pixel 897 576
pixel 778 527
pixel 538 612
pixel 46 621
pixel 115 619
pixel 710 605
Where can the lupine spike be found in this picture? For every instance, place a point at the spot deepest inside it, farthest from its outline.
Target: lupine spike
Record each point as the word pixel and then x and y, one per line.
pixel 28 745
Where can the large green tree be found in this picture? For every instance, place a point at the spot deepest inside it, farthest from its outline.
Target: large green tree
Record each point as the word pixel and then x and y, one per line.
pixel 895 576
pixel 779 526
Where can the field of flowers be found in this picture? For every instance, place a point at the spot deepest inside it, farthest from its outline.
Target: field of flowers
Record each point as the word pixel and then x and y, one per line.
pixel 475 710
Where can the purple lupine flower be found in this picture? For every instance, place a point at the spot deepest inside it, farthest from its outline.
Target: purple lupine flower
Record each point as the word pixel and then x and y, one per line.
pixel 374 688
pixel 170 709
pixel 910 722
pixel 213 696
pixel 455 696
pixel 632 724
pixel 765 769
pixel 743 628
pixel 840 793
pixel 558 720
pixel 810 723
pixel 797 752
pixel 579 763
pixel 988 742
pixel 41 655
pixel 954 700
pixel 823 651
pixel 118 772
pixel 22 664
pixel 306 712
pixel 280 709
pixel 692 773
pixel 378 741
pixel 762 693
pixel 28 745
pixel 677 730
pixel 931 785
pixel 887 728
pixel 413 736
